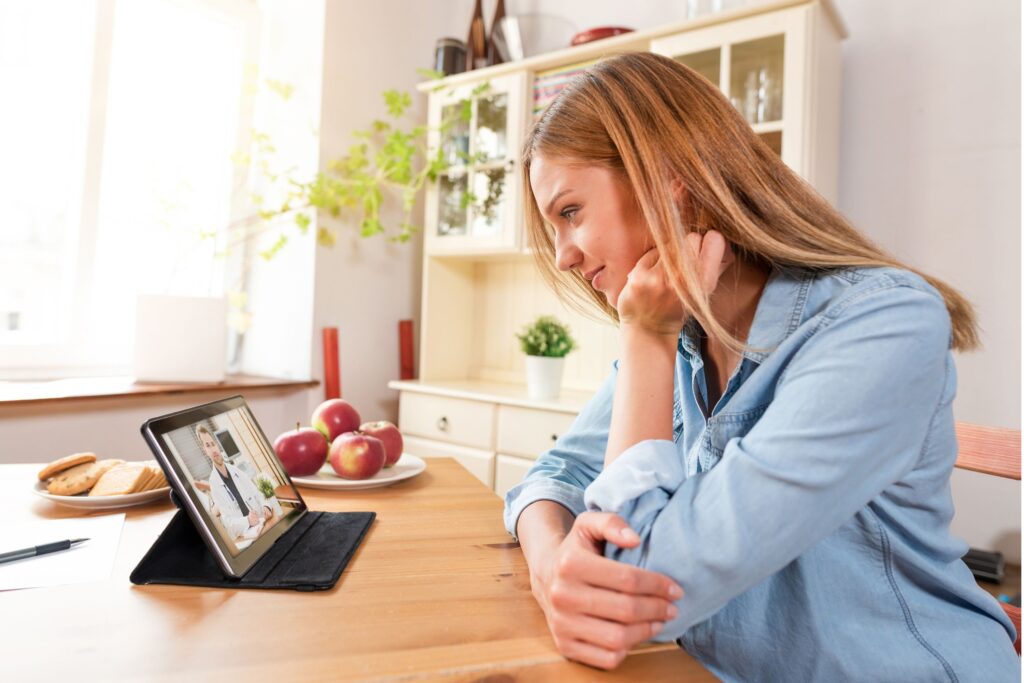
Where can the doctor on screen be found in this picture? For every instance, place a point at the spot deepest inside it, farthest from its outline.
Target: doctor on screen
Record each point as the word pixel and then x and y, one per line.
pixel 240 503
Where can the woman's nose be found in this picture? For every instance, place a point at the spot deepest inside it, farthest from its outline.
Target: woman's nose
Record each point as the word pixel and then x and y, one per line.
pixel 567 254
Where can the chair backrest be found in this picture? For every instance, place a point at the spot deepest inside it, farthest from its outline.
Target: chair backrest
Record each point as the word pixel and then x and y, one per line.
pixel 989 450
pixel 995 451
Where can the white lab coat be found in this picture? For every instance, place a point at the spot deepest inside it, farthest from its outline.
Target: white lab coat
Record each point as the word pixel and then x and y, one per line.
pixel 230 514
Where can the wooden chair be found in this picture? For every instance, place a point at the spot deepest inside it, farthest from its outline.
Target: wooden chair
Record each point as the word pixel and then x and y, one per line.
pixel 995 451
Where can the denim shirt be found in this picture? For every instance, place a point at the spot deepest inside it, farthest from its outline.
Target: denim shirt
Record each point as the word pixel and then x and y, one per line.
pixel 806 514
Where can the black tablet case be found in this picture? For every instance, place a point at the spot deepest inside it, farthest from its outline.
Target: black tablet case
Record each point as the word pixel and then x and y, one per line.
pixel 308 557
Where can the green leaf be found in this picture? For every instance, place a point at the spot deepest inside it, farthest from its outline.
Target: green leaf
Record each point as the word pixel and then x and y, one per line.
pixel 302 221
pixel 325 237
pixel 271 252
pixel 397 102
pixel 430 74
pixel 280 88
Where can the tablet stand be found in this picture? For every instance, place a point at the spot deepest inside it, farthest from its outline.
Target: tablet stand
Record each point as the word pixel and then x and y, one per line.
pixel 309 556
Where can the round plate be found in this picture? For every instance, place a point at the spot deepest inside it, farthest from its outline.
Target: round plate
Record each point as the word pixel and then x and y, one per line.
pixel 86 502
pixel 408 466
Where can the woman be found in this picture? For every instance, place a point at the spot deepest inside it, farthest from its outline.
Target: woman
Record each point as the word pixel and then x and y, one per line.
pixel 241 505
pixel 765 475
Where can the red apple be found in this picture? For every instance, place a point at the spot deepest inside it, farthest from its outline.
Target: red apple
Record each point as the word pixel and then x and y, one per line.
pixel 389 436
pixel 355 455
pixel 301 451
pixel 334 417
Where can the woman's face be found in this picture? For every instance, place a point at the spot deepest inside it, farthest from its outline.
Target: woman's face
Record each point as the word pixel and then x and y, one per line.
pixel 598 228
pixel 211 448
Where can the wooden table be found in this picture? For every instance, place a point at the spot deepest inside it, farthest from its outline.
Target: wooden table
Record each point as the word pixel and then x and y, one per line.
pixel 436 592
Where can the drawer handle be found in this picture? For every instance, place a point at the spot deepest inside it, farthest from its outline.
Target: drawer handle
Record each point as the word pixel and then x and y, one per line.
pixel 554 437
pixel 442 424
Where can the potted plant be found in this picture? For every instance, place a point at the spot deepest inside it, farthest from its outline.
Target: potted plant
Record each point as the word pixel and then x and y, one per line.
pixel 545 343
pixel 265 485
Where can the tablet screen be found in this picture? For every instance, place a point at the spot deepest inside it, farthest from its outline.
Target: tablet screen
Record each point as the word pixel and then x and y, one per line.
pixel 229 471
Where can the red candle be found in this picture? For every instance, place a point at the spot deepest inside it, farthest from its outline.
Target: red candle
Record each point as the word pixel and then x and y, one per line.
pixel 332 370
pixel 406 369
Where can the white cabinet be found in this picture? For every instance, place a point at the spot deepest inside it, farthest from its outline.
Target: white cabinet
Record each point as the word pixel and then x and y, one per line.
pixel 778 61
pixel 472 423
pixel 479 463
pixel 509 471
pixel 528 432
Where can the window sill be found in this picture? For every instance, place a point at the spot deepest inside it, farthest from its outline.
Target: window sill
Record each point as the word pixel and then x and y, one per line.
pixel 85 388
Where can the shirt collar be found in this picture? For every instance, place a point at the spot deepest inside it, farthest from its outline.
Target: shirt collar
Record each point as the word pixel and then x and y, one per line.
pixel 780 311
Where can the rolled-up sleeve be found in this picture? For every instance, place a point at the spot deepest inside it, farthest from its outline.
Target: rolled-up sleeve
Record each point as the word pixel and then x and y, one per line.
pixel 564 472
pixel 639 483
pixel 850 416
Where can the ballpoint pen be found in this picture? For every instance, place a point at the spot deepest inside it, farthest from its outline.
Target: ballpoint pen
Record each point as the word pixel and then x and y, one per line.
pixel 39 550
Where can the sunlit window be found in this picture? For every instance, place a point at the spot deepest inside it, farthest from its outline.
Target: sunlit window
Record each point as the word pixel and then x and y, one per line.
pixel 45 90
pixel 117 129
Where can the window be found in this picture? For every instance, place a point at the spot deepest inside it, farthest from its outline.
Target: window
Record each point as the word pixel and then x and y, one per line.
pixel 117 133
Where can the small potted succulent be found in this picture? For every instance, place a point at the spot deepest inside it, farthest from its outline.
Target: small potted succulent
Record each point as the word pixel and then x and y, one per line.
pixel 545 343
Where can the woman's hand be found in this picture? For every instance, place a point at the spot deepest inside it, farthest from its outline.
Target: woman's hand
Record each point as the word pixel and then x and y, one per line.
pixel 253 518
pixel 597 608
pixel 648 300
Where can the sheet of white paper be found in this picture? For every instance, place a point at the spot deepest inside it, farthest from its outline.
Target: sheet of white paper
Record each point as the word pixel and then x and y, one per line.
pixel 89 561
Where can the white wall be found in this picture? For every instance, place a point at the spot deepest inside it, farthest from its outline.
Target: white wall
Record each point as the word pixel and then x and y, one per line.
pixel 364 286
pixel 930 168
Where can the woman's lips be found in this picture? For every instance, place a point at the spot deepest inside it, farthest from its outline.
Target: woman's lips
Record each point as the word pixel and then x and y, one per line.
pixel 595 281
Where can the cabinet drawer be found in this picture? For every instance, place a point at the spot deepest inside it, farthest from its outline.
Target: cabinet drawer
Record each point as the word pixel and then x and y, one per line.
pixel 528 432
pixel 447 419
pixel 479 463
pixel 509 471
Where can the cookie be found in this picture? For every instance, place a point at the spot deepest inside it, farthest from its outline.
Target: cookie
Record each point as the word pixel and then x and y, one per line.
pixel 120 480
pixel 76 480
pixel 158 481
pixel 108 464
pixel 161 481
pixel 65 463
pixel 146 482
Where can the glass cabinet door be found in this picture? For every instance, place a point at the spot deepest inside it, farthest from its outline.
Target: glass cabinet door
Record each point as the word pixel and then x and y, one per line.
pixel 755 81
pixel 451 207
pixel 746 59
pixel 478 129
pixel 708 63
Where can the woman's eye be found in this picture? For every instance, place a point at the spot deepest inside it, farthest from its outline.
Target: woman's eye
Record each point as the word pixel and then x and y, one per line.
pixel 569 213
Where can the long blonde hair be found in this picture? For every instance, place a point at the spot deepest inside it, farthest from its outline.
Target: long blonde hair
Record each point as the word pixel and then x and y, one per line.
pixel 657 122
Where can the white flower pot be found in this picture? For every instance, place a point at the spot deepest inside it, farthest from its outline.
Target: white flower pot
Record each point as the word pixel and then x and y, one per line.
pixel 544 376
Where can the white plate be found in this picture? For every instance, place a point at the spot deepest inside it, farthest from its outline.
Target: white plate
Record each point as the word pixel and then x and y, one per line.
pixel 408 466
pixel 87 502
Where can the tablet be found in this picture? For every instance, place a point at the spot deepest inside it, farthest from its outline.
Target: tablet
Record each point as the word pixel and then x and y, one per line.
pixel 221 466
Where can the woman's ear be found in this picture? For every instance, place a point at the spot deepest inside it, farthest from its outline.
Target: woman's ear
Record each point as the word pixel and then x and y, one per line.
pixel 678 190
